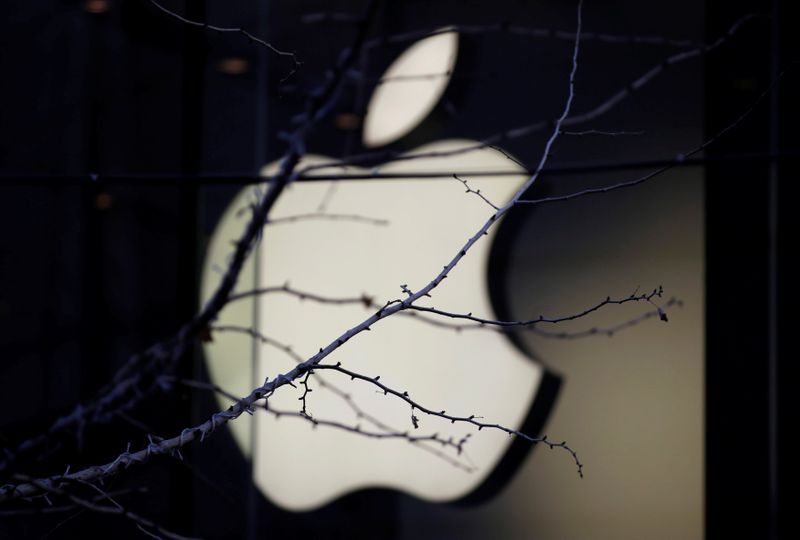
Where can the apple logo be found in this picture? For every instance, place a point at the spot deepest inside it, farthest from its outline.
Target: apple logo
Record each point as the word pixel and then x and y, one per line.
pixel 405 231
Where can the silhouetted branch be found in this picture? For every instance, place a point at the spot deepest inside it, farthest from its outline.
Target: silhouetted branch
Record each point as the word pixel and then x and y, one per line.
pixel 303 295
pixel 542 319
pixel 457 445
pixel 223 30
pixel 124 390
pixel 43 510
pixel 147 526
pixel 476 192
pixel 609 331
pixel 602 133
pixel 470 419
pixel 599 110
pixel 347 398
pixel 678 160
pixel 504 27
pixel 172 445
pixel 386 431
pixel 320 216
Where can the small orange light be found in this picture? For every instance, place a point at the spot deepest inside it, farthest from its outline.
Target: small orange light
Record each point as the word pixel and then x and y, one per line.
pixel 97 6
pixel 103 201
pixel 347 121
pixel 233 66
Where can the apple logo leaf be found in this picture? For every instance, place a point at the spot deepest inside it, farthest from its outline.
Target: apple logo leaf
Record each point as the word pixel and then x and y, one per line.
pixel 410 88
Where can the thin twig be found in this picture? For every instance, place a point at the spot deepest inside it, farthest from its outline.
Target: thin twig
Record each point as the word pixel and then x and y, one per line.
pixel 504 27
pixel 528 32
pixel 471 419
pixel 648 297
pixel 245 404
pixel 522 131
pixel 322 216
pixel 223 30
pixel 680 158
pixel 348 399
pixel 304 295
pixel 124 390
pixel 457 445
pixel 609 331
pixel 476 192
pixel 602 133
pixel 146 525
pixel 68 507
pixel 565 334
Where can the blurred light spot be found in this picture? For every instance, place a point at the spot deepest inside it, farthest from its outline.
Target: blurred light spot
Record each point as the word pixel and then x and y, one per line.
pixel 103 201
pixel 233 66
pixel 347 121
pixel 97 6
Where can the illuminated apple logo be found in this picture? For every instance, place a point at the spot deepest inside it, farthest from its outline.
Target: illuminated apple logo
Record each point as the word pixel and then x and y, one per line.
pixel 418 224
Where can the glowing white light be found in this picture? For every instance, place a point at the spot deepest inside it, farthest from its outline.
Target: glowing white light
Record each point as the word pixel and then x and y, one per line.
pixel 412 86
pixel 471 372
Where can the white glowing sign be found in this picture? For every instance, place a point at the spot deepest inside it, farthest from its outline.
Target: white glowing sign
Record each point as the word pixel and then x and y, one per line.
pixel 471 372
pixel 411 87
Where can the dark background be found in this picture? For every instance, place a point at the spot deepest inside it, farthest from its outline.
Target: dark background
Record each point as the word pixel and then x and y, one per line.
pixel 173 120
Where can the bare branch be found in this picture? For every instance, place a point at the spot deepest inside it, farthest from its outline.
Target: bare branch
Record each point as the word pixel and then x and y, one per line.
pixel 386 430
pixel 321 216
pixel 223 30
pixel 146 525
pixel 347 398
pixel 565 334
pixel 522 131
pixel 602 133
pixel 505 27
pixel 610 331
pixel 519 30
pixel 471 419
pixel 679 159
pixel 69 507
pixel 306 390
pixel 476 192
pixel 457 445
pixel 252 332
pixel 648 297
pixel 303 295
pixel 124 389
pixel 246 404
